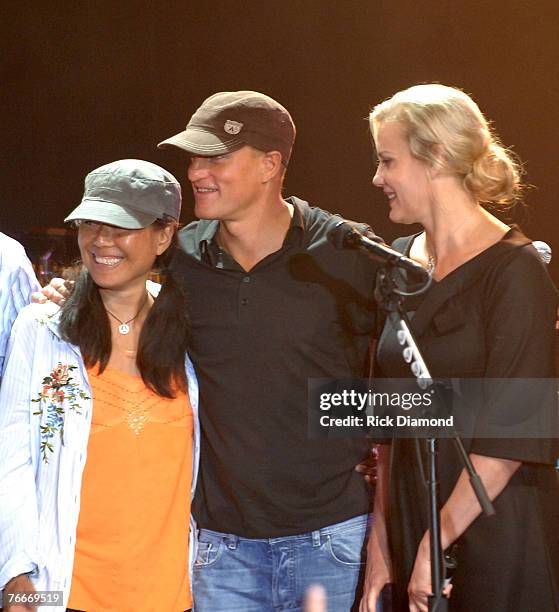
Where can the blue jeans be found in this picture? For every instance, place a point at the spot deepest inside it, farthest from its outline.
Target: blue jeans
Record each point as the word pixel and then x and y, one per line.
pixel 237 574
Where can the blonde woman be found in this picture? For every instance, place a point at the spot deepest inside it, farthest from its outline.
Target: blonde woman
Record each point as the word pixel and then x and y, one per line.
pixel 489 313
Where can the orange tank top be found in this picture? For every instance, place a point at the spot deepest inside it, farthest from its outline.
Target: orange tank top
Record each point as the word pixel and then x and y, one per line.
pixel 133 528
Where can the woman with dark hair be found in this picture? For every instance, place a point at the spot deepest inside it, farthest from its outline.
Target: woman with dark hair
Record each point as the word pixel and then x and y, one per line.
pixel 489 313
pixel 98 416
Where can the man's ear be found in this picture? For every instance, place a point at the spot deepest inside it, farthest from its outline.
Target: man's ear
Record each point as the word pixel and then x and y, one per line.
pixel 271 165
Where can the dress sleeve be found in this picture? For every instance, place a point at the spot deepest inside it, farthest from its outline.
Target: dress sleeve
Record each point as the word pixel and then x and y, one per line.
pixel 520 397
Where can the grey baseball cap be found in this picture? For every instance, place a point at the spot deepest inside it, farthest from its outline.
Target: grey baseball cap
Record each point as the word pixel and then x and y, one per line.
pixel 229 120
pixel 129 193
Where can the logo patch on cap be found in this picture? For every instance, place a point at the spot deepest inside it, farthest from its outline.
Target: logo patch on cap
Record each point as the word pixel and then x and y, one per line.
pixel 233 127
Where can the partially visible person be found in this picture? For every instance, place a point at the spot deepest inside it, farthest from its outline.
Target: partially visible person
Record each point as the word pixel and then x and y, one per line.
pixel 489 313
pixel 315 599
pixel 17 283
pixel 98 415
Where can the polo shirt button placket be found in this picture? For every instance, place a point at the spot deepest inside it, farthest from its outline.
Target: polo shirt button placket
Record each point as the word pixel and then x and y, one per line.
pixel 243 293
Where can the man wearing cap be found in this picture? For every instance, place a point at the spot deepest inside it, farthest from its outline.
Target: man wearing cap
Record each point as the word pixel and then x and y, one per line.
pixel 17 283
pixel 272 304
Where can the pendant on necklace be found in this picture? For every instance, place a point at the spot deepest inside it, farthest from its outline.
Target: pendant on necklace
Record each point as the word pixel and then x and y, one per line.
pixel 431 264
pixel 124 328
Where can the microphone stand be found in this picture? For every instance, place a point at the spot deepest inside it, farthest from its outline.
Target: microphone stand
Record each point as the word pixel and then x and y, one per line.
pixel 391 298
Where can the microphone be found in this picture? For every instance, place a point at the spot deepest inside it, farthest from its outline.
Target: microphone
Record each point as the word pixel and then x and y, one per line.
pixel 543 249
pixel 345 236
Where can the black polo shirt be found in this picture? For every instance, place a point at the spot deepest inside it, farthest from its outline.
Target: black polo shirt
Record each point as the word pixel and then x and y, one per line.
pixel 304 311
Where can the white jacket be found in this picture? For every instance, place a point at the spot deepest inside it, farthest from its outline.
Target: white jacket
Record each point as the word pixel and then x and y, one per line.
pixel 39 501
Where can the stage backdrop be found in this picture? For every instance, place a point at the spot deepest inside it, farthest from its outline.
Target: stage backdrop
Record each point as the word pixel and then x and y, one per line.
pixel 84 83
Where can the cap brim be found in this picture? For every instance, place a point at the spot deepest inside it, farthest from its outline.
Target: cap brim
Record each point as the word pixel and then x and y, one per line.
pixel 110 213
pixel 202 142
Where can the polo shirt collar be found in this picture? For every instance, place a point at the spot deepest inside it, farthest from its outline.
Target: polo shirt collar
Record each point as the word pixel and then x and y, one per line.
pixel 213 253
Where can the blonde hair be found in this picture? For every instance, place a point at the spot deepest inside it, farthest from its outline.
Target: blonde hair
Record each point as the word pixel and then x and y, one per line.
pixel 445 127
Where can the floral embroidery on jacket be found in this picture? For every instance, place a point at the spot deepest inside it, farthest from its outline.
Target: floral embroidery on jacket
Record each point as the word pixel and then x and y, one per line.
pixel 58 390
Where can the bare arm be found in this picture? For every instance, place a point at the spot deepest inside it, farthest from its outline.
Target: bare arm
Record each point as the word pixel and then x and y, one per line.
pixel 459 512
pixel 379 566
pixel 58 290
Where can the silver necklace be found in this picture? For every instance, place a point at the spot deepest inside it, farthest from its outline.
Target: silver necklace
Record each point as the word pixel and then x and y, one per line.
pixel 431 263
pixel 124 328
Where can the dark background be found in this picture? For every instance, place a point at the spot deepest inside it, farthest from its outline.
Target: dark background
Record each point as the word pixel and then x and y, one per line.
pixel 85 83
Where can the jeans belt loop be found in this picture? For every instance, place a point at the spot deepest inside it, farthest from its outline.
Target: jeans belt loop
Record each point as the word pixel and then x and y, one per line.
pixel 316 538
pixel 231 541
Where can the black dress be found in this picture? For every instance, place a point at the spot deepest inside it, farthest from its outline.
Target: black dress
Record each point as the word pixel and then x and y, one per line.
pixel 492 317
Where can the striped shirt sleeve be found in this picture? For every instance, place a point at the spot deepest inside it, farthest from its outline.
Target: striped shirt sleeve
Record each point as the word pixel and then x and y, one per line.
pixel 17 283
